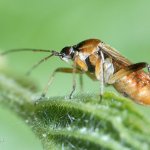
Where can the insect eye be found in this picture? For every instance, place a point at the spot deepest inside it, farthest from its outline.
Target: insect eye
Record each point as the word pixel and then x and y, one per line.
pixel 67 52
pixel 63 55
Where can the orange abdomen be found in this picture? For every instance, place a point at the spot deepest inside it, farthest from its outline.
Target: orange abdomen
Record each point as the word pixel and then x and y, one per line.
pixel 135 86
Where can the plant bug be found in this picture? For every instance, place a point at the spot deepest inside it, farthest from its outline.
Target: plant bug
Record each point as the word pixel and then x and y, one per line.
pixel 103 63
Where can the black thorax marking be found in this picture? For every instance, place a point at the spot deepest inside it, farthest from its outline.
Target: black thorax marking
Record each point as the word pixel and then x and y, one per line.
pixel 91 68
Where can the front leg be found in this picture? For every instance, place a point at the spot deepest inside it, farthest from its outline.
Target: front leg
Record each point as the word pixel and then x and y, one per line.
pixel 59 70
pixel 82 65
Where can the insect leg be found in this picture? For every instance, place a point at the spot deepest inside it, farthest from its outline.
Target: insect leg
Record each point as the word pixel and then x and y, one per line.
pixel 61 70
pixel 81 64
pixel 99 72
pixel 81 81
pixel 74 80
pixel 101 76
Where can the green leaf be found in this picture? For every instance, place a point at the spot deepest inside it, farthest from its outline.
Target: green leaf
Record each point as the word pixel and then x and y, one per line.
pixel 79 123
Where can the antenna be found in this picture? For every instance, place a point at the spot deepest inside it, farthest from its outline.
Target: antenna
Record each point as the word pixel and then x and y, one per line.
pixel 38 63
pixel 24 49
pixel 53 53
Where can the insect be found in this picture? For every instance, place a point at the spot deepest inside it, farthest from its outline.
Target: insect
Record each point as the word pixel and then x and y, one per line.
pixel 103 63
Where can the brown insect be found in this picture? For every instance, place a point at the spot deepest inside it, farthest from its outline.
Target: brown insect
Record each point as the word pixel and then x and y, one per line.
pixel 103 63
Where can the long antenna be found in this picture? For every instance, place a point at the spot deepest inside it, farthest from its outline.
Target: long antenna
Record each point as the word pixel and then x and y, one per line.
pixel 38 63
pixel 53 53
pixel 24 49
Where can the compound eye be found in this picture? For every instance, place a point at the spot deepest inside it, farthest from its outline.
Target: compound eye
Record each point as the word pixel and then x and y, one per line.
pixel 66 51
pixel 63 55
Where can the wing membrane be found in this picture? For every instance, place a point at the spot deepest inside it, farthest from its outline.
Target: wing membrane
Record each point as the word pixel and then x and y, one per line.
pixel 126 71
pixel 108 50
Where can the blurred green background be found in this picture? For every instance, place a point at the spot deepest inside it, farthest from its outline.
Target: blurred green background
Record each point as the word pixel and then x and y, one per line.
pixel 53 24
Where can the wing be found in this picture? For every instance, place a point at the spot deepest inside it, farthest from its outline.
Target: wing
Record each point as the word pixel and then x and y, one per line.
pixel 126 71
pixel 116 56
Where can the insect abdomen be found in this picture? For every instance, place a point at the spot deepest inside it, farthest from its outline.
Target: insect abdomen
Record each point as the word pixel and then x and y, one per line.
pixel 135 86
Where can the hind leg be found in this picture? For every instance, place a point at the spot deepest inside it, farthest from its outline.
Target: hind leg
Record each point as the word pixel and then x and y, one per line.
pixel 127 70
